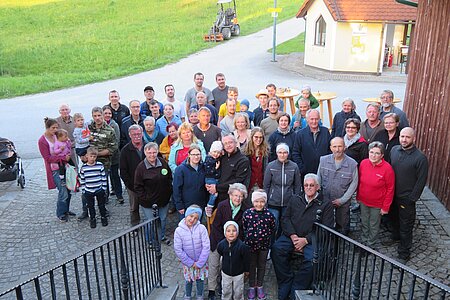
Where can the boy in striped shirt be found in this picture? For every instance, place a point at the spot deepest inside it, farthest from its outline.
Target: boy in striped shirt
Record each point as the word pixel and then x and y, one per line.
pixel 93 184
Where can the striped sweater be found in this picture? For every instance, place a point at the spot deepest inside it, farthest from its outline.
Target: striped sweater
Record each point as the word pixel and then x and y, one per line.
pixel 93 177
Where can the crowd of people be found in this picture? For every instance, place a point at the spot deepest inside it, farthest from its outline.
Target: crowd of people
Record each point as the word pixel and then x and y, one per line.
pixel 258 176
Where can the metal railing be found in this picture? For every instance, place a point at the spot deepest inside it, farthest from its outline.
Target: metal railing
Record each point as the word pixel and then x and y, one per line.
pixel 346 269
pixel 126 266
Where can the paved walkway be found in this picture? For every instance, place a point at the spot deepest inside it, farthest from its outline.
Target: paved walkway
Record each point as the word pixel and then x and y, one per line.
pixel 33 239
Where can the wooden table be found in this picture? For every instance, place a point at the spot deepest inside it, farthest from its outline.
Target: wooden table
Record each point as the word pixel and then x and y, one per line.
pixel 322 97
pixel 378 100
pixel 285 94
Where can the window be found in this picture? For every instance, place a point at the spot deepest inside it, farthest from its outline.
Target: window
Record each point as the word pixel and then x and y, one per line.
pixel 321 32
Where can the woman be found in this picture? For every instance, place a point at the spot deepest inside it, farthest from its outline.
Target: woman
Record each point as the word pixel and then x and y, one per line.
pixel 389 136
pixel 283 134
pixel 257 151
pixel 116 184
pixel 180 149
pixel 168 141
pixel 166 119
pixel 375 192
pixel 282 181
pixel 153 185
pixel 52 161
pixel 189 182
pixel 242 132
pixel 231 210
pixel 347 112
pixel 355 144
pixel 193 116
pixel 151 134
pixel 306 94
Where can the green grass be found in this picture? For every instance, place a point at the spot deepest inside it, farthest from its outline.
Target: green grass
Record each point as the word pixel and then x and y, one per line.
pixel 296 44
pixel 47 45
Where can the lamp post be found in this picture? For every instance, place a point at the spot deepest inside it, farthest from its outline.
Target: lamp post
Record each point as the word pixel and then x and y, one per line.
pixel 274 38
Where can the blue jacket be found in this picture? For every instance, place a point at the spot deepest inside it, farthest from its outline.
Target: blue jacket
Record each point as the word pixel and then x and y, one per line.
pixel 307 153
pixel 276 138
pixel 178 146
pixel 189 186
pixel 339 120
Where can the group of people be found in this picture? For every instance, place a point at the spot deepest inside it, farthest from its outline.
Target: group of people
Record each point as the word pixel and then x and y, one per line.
pixel 259 176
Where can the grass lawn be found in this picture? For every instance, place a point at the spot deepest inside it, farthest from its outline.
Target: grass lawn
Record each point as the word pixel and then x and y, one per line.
pixel 296 44
pixel 51 44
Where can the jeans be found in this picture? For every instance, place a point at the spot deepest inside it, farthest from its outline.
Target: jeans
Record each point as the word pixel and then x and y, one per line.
pixel 212 197
pixel 115 180
pixel 64 195
pixel 90 201
pixel 188 288
pixel 277 212
pixel 288 282
pixel 162 212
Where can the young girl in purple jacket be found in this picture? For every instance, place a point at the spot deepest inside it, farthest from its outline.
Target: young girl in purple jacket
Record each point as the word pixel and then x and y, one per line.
pixel 191 244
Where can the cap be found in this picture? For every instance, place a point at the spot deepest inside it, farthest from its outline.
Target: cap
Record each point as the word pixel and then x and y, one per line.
pixel 148 88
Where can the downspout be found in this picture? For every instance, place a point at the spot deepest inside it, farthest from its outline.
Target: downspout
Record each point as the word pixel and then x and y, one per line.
pixel 407 2
pixel 381 55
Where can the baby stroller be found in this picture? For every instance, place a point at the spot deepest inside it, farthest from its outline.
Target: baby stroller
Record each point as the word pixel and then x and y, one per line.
pixel 10 163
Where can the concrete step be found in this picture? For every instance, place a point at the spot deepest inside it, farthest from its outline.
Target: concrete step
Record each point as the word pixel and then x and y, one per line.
pixel 168 292
pixel 307 295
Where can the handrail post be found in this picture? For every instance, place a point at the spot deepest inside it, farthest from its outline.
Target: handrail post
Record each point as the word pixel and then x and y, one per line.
pixel 356 287
pixel 158 244
pixel 124 277
pixel 315 244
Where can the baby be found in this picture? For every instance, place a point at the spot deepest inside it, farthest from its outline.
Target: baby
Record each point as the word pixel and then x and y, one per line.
pixel 62 147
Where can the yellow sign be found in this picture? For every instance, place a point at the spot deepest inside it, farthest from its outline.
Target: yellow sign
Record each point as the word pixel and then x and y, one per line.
pixel 274 9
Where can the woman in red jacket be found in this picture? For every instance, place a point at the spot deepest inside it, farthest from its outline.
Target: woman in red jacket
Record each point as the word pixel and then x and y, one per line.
pixel 375 192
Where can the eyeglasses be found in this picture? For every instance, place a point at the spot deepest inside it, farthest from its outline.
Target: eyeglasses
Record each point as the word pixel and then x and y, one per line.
pixel 311 185
pixel 375 153
pixel 194 154
pixel 351 127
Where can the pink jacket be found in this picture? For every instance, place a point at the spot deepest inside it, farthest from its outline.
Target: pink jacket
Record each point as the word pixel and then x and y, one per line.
pixel 191 244
pixel 44 148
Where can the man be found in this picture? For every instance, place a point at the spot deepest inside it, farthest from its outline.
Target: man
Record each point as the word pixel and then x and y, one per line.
pixel 154 110
pixel 65 121
pixel 338 177
pixel 262 111
pixel 201 102
pixel 178 107
pixel 297 224
pixel 233 93
pixel 270 124
pixel 204 130
pixel 149 94
pixel 372 125
pixel 118 109
pixel 234 168
pixel 310 144
pixel 272 90
pixel 189 98
pixel 387 106
pixel 411 170
pixel 130 157
pixel 227 123
pixel 134 118
pixel 220 93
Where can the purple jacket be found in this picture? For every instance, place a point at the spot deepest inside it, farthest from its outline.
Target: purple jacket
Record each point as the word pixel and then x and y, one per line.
pixel 191 244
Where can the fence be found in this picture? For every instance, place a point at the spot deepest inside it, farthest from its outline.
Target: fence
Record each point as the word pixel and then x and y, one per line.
pixel 346 269
pixel 127 266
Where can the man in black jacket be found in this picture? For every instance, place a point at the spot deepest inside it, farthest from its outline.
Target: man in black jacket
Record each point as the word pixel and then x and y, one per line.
pixel 297 225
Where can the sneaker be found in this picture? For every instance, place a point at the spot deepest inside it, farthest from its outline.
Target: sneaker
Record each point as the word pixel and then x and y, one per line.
pixel 104 221
pixel 199 297
pixel 70 213
pixel 120 200
pixel 93 223
pixel 112 193
pixel 166 241
pixel 251 295
pixel 83 215
pixel 63 219
pixel 260 292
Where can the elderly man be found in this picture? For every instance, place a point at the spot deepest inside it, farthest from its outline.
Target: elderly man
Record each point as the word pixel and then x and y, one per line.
pixel 234 169
pixel 297 224
pixel 131 156
pixel 189 98
pixel 149 94
pixel 65 121
pixel 227 123
pixel 411 170
pixel 310 144
pixel 387 106
pixel 372 125
pixel 204 130
pixel 178 107
pixel 201 102
pixel 299 118
pixel 134 118
pixel 220 93
pixel 118 109
pixel 338 177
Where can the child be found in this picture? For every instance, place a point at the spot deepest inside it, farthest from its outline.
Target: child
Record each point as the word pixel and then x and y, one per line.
pixel 191 245
pixel 259 224
pixel 235 262
pixel 93 184
pixel 245 105
pixel 82 136
pixel 62 147
pixel 212 172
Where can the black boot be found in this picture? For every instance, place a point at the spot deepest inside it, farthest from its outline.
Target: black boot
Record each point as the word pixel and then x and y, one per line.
pixel 83 215
pixel 93 223
pixel 104 221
